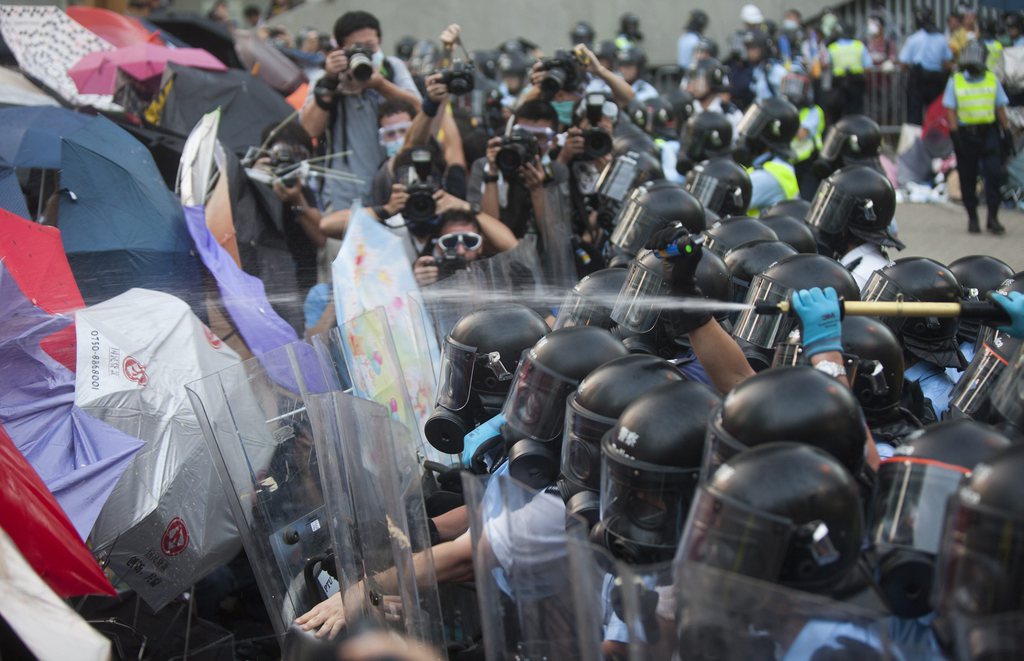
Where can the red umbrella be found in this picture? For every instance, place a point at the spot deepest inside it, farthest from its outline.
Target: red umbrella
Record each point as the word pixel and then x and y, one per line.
pixel 96 73
pixel 113 27
pixel 44 535
pixel 34 256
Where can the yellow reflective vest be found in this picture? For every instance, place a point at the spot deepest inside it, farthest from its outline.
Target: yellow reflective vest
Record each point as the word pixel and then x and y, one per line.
pixel 785 175
pixel 804 149
pixel 847 58
pixel 975 101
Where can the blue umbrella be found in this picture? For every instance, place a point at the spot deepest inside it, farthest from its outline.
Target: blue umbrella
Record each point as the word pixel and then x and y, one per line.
pixel 121 226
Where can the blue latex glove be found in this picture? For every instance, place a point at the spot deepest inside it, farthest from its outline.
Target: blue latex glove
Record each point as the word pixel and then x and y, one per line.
pixel 1014 306
pixel 478 436
pixel 819 313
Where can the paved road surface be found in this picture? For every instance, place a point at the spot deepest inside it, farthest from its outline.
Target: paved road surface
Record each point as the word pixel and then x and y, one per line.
pixel 939 231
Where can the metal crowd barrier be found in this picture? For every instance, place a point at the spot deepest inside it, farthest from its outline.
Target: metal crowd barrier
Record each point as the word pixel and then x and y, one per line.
pixel 886 101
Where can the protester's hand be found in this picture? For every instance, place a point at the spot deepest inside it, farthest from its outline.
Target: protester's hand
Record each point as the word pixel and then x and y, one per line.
pixel 679 271
pixel 446 202
pixel 425 271
pixel 493 147
pixel 1014 306
pixel 587 58
pixel 326 618
pixel 573 146
pixel 819 314
pixel 437 91
pixel 536 73
pixel 532 174
pixel 335 64
pixel 397 201
pixel 450 35
pixel 291 195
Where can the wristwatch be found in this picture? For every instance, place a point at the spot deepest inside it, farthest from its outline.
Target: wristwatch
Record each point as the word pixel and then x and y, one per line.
pixel 833 369
pixel 475 208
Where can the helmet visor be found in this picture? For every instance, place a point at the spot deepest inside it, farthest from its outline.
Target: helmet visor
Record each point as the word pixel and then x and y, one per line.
pixel 581 444
pixel 719 446
pixel 832 209
pixel 910 502
pixel 455 382
pixel 536 403
pixel 730 536
pixel 636 309
pixel 764 330
pixel 1008 394
pixel 634 225
pixel 712 192
pixel 651 498
pixel 882 289
pixel 832 147
pixel 753 123
pixel 578 310
pixel 971 393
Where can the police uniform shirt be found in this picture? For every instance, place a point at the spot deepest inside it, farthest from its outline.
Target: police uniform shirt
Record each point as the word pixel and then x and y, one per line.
pixel 767 80
pixel 731 112
pixel 864 260
pixel 685 47
pixel 929 50
pixel 644 90
pixel 935 384
pixel 949 96
pixel 765 188
pixel 669 156
pixel 967 349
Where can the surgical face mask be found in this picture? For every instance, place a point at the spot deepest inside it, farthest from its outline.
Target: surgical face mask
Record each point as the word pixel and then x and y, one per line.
pixel 873 28
pixel 392 147
pixel 378 60
pixel 790 25
pixel 564 111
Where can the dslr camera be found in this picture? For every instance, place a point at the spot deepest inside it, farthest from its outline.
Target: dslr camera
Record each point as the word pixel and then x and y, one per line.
pixel 517 148
pixel 596 141
pixel 459 78
pixel 449 263
pixel 360 62
pixel 420 208
pixel 561 72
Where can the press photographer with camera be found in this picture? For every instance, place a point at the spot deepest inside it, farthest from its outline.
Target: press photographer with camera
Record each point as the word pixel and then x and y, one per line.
pixel 342 107
pixel 457 243
pixel 562 78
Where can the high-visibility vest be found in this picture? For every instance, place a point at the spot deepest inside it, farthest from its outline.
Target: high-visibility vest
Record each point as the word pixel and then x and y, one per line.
pixel 995 54
pixel 804 149
pixel 975 102
pixel 785 175
pixel 848 58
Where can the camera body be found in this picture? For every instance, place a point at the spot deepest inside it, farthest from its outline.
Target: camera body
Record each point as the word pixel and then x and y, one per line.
pixel 517 149
pixel 459 78
pixel 449 263
pixel 360 62
pixel 420 207
pixel 561 72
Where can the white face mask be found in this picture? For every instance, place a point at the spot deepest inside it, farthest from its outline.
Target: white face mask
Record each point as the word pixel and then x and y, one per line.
pixel 790 25
pixel 873 28
pixel 378 60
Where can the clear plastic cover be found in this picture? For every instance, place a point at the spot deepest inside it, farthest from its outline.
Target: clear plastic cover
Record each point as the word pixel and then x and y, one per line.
pixel 455 382
pixel 634 226
pixel 831 209
pixel 581 444
pixel 910 502
pixel 636 308
pixel 711 191
pixel 835 140
pixel 1008 394
pixel 764 330
pixel 753 122
pixel 534 406
pixel 578 310
pixel 719 446
pixel 970 395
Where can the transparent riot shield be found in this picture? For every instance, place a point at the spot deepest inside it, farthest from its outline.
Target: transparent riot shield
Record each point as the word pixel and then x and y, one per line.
pixel 255 423
pixel 521 567
pixel 554 226
pixel 371 480
pixel 722 615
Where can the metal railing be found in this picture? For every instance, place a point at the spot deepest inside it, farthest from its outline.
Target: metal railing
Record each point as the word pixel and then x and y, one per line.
pixel 886 97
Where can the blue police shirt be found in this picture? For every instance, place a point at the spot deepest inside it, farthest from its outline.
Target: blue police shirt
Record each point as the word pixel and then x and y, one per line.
pixel 691 368
pixel 935 384
pixel 684 49
pixel 927 49
pixel 967 349
pixel 765 189
pixel 764 84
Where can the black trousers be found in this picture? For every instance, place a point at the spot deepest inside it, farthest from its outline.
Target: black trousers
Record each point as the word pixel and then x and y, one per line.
pixel 978 151
pixel 923 88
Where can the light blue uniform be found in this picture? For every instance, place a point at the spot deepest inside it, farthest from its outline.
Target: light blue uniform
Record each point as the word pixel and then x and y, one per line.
pixel 949 96
pixel 767 80
pixel 967 349
pixel 684 48
pixel 765 189
pixel 935 384
pixel 927 49
pixel 669 156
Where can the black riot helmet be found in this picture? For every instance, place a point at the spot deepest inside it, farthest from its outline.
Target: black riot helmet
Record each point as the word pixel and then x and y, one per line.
pixel 661 119
pixel 920 279
pixel 768 125
pixel 651 208
pixel 721 185
pixel 981 562
pixel 682 107
pixel 631 56
pixel 778 283
pixel 793 231
pixel 590 301
pixel 629 25
pixel 972 396
pixel 751 259
pixel 973 57
pixel 733 232
pixel 698 21
pixel 978 275
pixel 404 47
pixel 706 77
pixel 782 512
pixel 760 411
pixel 854 205
pixel 479 357
pixel 535 408
pixel 513 63
pixel 909 508
pixel 796 208
pixel 595 406
pixel 650 464
pixel 853 140
pixel 582 33
pixel 704 136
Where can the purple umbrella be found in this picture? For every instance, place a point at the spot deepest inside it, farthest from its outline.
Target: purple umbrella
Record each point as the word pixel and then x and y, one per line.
pixel 78 457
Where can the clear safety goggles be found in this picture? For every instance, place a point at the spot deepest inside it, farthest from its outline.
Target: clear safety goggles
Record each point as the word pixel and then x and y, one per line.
pixel 468 240
pixel 393 132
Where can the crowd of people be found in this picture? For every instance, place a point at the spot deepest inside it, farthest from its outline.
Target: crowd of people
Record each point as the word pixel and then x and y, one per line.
pixel 719 374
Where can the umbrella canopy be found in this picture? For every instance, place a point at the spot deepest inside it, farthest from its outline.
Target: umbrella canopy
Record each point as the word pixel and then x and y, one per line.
pixel 270 65
pixel 78 458
pixel 200 32
pixel 165 146
pixel 247 104
pixel 96 73
pixel 116 29
pixel 31 136
pixel 46 44
pixel 121 226
pixel 34 256
pixel 16 90
pixel 168 511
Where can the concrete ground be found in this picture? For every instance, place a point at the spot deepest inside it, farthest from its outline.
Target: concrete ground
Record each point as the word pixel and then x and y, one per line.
pixel 939 231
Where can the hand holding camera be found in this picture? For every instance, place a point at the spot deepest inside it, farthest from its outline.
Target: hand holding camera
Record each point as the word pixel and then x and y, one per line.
pixel 396 203
pixel 437 90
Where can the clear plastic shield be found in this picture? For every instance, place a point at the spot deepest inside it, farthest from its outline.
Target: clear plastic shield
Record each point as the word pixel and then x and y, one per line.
pixel 521 565
pixel 371 482
pixel 255 423
pixel 764 330
pixel 636 308
pixel 558 263
pixel 722 615
pixel 970 395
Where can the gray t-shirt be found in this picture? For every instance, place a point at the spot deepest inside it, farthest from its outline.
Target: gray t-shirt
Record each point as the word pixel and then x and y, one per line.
pixel 355 130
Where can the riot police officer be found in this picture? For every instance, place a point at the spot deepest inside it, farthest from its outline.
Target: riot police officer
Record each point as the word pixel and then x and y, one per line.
pixel 978 275
pixel 849 59
pixel 853 140
pixel 650 208
pixel 703 137
pixel 721 185
pixel 590 301
pixel 763 144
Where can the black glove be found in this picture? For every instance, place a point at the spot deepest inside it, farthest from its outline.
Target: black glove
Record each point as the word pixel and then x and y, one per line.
pixel 1006 141
pixel 680 272
pixel 954 136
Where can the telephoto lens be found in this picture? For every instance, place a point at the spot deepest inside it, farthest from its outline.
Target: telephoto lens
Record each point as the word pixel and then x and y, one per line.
pixel 360 63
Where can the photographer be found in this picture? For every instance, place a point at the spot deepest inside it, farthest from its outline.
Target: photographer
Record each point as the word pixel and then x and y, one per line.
pixel 571 81
pixel 343 104
pixel 457 243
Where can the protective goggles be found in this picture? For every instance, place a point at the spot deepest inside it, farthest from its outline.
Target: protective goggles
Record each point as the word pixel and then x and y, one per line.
pixel 393 132
pixel 468 240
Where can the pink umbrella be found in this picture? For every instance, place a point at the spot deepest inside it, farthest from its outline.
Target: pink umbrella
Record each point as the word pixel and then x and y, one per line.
pixel 96 73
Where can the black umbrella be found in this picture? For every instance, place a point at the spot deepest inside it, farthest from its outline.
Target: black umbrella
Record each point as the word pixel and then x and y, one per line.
pixel 199 32
pixel 165 146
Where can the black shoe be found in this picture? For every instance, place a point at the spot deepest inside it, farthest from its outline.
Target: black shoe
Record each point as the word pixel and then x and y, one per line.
pixel 973 227
pixel 995 226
